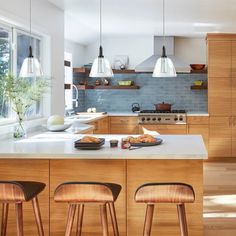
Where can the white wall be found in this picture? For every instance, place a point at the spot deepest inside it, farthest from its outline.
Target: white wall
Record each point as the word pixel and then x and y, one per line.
pixel 78 53
pixel 139 48
pixel 48 20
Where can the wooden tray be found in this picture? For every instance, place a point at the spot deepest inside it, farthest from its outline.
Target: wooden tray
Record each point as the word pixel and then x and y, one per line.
pixel 158 142
pixel 89 146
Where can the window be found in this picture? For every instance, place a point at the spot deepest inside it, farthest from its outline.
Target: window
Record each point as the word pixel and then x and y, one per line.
pixel 11 61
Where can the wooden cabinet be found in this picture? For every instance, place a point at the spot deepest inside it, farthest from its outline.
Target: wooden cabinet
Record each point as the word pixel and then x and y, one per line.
pixel 123 125
pixel 220 137
pixel 101 126
pixel 233 91
pixel 199 125
pixel 164 129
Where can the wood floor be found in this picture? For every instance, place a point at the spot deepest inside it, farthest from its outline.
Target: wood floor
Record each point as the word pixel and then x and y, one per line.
pixel 220 199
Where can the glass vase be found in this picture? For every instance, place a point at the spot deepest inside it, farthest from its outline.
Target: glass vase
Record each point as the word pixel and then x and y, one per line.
pixel 19 131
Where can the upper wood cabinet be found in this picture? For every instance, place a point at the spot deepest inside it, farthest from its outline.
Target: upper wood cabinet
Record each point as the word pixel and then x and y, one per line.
pixel 219 58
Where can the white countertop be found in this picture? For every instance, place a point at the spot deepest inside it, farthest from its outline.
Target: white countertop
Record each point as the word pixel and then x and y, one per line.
pixel 60 145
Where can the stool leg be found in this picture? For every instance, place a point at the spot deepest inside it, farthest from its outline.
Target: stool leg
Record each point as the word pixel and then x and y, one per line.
pixel 148 220
pixel 19 219
pixel 5 207
pixel 103 211
pixel 37 214
pixel 182 220
pixel 80 219
pixel 70 219
pixel 113 218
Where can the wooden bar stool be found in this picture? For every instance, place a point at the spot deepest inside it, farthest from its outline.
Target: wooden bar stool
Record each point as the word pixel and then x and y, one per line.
pixel 17 192
pixel 178 193
pixel 79 193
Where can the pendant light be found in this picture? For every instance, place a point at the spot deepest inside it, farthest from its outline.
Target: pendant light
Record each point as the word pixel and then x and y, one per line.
pixel 164 66
pixel 31 66
pixel 101 66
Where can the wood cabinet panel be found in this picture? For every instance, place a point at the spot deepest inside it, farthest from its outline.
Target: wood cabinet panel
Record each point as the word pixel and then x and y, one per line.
pixel 200 129
pixel 164 129
pixel 28 170
pixel 198 120
pixel 123 125
pixel 101 126
pixel 234 136
pixel 219 59
pixel 220 137
pixel 219 96
pixel 165 220
pixel 80 170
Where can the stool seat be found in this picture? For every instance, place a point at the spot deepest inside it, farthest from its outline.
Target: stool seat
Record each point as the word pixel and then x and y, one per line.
pixel 165 193
pixel 20 190
pixel 87 192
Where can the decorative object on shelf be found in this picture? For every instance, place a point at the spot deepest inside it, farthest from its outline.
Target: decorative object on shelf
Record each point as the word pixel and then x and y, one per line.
pixel 198 82
pixel 105 82
pixel 126 82
pixel 97 82
pixel 121 62
pixel 22 94
pixel 101 66
pixel 31 66
pixel 197 66
pixel 164 66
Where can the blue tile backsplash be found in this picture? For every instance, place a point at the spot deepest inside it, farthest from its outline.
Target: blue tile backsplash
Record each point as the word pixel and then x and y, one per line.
pixel 152 90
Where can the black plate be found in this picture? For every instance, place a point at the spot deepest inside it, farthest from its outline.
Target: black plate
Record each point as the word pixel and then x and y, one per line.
pixel 89 146
pixel 158 142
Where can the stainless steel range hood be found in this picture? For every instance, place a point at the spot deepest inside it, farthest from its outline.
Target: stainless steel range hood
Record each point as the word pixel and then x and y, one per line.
pixel 149 64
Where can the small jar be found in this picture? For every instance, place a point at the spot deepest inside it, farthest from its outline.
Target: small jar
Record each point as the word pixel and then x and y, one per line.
pixel 125 144
pixel 113 143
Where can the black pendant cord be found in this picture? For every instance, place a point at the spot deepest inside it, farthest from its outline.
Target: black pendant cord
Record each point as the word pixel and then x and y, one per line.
pixel 30 18
pixel 100 47
pixel 163 30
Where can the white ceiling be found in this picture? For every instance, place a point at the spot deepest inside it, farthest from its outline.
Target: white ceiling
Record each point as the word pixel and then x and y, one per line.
pixel 144 17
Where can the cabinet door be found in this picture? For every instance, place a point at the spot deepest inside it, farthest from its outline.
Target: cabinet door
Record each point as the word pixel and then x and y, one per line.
pixel 102 126
pixel 200 129
pixel 219 96
pixel 234 78
pixel 123 125
pixel 220 137
pixel 234 137
pixel 219 59
pixel 164 129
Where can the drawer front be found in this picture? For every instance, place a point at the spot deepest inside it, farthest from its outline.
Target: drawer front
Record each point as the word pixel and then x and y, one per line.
pixel 123 120
pixel 124 129
pixel 198 120
pixel 164 129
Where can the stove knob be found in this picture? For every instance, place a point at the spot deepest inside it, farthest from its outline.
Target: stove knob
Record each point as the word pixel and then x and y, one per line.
pixel 176 118
pixel 181 118
pixel 143 119
pixel 159 119
pixel 153 119
pixel 148 119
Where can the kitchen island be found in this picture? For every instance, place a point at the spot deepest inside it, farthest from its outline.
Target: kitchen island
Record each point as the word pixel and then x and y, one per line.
pixel 52 159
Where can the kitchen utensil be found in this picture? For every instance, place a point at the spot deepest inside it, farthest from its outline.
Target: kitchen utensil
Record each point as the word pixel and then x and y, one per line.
pixel 89 146
pixel 197 66
pixel 135 107
pixel 158 142
pixel 163 106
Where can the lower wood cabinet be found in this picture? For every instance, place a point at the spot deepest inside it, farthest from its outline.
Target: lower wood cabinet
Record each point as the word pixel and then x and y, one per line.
pixel 164 129
pixel 123 125
pixel 101 126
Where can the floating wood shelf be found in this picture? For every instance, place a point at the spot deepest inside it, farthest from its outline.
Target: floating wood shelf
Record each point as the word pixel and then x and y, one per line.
pixel 85 87
pixel 204 71
pixel 199 87
pixel 87 70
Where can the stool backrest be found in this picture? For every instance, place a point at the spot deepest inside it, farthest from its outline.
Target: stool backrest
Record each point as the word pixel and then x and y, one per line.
pixel 10 192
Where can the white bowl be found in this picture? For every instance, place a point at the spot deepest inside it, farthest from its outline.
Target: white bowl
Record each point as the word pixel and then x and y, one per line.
pixel 57 128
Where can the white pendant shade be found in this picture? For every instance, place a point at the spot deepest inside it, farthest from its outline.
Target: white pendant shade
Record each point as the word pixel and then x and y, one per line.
pixel 164 68
pixel 31 68
pixel 101 68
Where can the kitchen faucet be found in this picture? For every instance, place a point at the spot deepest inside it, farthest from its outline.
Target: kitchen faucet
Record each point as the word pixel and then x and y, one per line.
pixel 76 99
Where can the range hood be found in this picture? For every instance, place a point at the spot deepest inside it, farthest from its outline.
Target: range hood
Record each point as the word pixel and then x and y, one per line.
pixel 149 64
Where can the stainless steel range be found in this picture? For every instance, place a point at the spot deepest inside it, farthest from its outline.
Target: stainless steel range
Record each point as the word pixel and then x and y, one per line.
pixel 161 117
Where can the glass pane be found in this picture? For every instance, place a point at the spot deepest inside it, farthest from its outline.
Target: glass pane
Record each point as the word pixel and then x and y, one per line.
pixel 5 56
pixel 23 43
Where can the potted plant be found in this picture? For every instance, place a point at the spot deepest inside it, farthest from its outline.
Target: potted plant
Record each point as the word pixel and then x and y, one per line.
pixel 22 93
